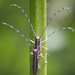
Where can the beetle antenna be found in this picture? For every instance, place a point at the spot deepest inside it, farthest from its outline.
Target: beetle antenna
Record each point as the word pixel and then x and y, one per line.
pixel 53 16
pixel 18 32
pixel 55 32
pixel 25 15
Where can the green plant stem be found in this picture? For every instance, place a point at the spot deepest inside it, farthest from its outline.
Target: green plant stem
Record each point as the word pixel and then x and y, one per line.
pixel 38 20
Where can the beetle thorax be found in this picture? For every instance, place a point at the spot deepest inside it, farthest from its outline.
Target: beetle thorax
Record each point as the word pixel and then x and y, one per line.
pixel 37 41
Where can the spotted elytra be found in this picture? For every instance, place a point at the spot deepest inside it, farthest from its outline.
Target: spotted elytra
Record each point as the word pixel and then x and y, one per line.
pixel 38 43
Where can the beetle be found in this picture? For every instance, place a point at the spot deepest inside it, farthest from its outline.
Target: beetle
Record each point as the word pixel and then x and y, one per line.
pixel 38 44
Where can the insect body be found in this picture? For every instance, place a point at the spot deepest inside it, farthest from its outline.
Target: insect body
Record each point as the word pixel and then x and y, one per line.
pixel 36 57
pixel 38 44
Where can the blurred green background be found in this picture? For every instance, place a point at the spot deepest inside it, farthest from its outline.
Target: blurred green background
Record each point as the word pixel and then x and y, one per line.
pixel 14 53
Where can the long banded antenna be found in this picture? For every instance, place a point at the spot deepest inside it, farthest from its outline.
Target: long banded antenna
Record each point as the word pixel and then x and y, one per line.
pixel 55 32
pixel 18 32
pixel 52 18
pixel 25 15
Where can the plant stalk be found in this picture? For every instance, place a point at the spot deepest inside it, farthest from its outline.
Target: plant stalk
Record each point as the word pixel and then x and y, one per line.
pixel 38 20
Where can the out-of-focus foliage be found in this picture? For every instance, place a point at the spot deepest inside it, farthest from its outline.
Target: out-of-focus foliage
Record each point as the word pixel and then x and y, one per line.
pixel 61 60
pixel 14 54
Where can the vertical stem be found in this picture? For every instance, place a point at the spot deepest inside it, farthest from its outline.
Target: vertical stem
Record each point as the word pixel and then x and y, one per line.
pixel 38 20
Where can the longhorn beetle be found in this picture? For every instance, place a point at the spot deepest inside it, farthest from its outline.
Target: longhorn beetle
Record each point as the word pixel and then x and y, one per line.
pixel 38 44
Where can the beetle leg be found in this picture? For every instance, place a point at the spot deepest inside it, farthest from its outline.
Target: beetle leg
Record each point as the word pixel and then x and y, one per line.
pixel 44 47
pixel 42 57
